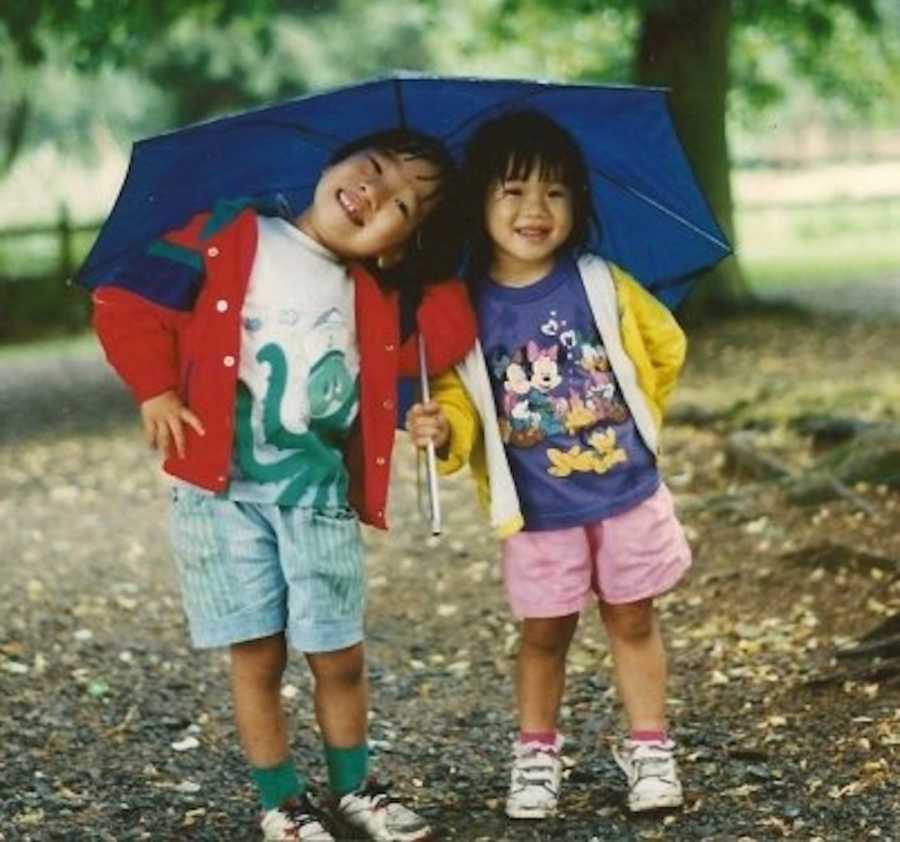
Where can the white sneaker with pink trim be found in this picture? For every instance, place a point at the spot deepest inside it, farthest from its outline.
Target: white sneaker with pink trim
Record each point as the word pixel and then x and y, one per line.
pixel 652 774
pixel 535 780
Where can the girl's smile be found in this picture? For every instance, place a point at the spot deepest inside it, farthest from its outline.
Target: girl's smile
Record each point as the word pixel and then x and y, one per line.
pixel 352 205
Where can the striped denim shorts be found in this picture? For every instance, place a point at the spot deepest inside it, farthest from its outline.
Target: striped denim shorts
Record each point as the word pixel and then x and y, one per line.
pixel 250 570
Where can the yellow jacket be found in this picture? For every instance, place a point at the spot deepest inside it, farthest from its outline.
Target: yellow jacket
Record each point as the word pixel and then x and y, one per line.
pixel 646 349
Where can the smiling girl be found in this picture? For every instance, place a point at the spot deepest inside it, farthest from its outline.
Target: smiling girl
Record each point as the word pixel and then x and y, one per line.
pixel 264 353
pixel 560 419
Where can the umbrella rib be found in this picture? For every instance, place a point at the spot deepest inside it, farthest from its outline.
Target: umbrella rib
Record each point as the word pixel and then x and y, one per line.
pixel 401 108
pixel 661 207
pixel 311 136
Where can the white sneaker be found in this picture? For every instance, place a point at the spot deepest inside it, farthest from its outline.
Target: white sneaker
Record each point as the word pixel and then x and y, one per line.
pixel 382 819
pixel 293 821
pixel 652 774
pixel 535 780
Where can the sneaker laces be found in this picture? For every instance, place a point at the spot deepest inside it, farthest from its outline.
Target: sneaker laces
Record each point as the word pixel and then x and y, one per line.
pixel 533 767
pixel 300 812
pixel 373 801
pixel 295 819
pixel 377 793
pixel 652 761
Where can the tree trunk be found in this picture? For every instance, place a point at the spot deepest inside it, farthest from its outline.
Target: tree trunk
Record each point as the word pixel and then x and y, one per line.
pixel 684 45
pixel 15 132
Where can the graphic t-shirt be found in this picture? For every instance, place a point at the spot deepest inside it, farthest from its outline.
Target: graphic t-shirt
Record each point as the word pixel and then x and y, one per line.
pixel 575 453
pixel 298 379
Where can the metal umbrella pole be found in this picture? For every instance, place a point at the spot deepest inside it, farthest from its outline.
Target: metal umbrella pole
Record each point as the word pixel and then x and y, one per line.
pixel 434 501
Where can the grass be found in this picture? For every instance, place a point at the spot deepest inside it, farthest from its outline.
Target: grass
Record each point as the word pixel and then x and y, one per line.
pixel 54 346
pixel 784 246
pixel 30 255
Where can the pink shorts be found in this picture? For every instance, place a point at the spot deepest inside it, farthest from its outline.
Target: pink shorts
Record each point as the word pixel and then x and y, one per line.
pixel 635 555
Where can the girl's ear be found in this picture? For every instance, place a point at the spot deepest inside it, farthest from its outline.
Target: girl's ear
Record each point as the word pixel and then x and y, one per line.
pixel 390 258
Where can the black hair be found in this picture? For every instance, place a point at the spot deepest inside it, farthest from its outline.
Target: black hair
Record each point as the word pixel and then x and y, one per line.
pixel 511 146
pixel 433 252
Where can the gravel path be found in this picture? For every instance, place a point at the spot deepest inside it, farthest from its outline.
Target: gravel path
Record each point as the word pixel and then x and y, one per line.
pixel 112 729
pixel 59 389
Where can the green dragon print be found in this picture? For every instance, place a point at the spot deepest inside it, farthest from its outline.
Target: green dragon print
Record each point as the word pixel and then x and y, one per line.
pixel 316 460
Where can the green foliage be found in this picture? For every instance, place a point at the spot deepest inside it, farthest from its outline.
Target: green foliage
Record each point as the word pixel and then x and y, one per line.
pixel 536 39
pixel 363 39
pixel 52 102
pixel 96 32
pixel 814 19
pixel 207 72
pixel 847 50
pixel 198 67
pixel 210 71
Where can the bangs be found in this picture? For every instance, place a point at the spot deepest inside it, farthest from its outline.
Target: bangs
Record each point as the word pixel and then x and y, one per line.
pixel 521 144
pixel 522 163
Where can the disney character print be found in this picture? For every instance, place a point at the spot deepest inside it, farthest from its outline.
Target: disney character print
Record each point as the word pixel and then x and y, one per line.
pixel 561 385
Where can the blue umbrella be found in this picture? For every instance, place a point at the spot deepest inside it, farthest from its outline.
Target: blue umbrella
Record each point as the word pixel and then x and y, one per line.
pixel 655 221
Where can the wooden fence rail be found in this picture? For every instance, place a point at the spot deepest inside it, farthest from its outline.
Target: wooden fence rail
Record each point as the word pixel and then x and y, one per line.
pixel 64 231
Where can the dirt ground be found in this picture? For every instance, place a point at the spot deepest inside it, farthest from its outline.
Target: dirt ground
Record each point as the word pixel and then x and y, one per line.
pixel 111 728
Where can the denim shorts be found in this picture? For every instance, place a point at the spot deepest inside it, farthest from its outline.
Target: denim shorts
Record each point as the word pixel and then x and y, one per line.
pixel 250 570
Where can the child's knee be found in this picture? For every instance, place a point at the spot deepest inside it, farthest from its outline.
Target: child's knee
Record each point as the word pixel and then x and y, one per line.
pixel 259 661
pixel 631 623
pixel 346 667
pixel 548 637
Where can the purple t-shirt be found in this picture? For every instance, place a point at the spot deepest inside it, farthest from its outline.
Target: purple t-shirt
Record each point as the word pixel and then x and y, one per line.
pixel 575 453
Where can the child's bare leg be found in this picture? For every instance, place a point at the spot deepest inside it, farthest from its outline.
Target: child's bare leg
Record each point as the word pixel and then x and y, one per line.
pixel 639 658
pixel 256 670
pixel 536 770
pixel 541 670
pixel 341 695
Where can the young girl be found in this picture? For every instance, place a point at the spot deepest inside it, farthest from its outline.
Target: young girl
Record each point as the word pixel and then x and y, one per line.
pixel 560 420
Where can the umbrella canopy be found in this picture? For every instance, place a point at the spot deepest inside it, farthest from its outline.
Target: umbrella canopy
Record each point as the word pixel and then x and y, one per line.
pixel 655 221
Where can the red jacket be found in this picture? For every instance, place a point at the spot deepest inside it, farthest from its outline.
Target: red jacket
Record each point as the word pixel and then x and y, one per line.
pixel 174 323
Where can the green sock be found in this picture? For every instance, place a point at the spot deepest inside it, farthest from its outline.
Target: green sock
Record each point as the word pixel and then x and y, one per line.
pixel 347 767
pixel 277 784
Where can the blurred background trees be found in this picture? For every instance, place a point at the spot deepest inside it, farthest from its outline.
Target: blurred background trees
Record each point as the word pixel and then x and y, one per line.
pixel 84 78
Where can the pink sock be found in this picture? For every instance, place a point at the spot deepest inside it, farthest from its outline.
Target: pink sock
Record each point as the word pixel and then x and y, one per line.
pixel 649 736
pixel 547 738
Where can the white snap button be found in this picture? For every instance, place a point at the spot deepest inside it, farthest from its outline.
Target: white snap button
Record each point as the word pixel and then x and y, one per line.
pixel 229 361
pixel 389 347
pixel 221 305
pixel 388 404
pixel 212 251
pixel 380 461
